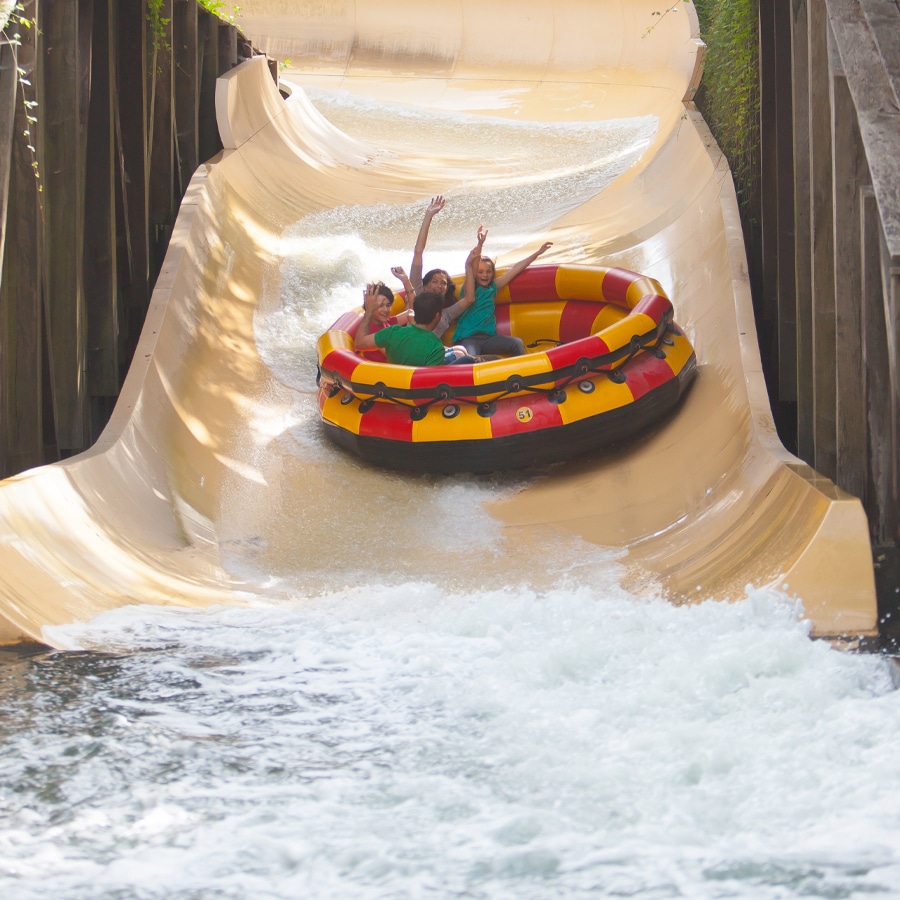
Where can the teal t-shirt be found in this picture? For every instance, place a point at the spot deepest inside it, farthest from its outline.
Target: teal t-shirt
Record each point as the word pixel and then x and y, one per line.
pixel 479 317
pixel 408 345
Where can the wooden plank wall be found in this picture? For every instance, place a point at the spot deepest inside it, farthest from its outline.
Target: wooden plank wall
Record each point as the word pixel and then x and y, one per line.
pixel 831 198
pixel 123 111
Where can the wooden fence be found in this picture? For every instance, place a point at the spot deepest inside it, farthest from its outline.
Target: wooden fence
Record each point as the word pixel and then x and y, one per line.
pixel 830 299
pixel 105 113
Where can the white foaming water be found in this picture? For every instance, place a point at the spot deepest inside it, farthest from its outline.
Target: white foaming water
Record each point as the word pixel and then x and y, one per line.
pixel 408 741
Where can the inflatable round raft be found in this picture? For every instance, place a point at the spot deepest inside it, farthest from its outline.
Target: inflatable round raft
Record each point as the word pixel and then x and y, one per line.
pixel 604 361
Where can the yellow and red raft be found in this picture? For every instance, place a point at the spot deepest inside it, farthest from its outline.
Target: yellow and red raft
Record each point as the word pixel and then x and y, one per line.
pixel 605 360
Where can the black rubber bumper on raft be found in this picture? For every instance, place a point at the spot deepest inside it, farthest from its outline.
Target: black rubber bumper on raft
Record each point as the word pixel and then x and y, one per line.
pixel 533 448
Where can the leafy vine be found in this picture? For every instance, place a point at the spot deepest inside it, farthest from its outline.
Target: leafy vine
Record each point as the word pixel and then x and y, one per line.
pixel 158 25
pixel 661 14
pixel 19 20
pixel 217 8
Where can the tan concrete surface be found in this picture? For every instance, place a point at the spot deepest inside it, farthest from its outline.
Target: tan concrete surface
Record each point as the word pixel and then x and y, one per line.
pixel 210 457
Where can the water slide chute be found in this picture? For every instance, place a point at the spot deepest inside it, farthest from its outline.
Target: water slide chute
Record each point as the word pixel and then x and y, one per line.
pixel 192 470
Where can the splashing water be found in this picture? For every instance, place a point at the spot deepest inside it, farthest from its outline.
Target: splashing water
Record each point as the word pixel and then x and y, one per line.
pixel 408 741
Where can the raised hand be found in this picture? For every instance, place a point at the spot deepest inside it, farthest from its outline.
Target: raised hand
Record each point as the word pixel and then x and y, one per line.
pixel 475 252
pixel 436 205
pixel 371 297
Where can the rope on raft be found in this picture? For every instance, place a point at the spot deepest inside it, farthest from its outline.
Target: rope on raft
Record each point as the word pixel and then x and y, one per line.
pixel 517 384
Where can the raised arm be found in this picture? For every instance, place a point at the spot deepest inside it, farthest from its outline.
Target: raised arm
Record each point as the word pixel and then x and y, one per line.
pixel 400 272
pixel 472 260
pixel 362 340
pixel 434 207
pixel 521 265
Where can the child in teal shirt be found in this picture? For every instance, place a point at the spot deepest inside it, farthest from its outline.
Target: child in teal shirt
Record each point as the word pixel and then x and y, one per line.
pixel 476 329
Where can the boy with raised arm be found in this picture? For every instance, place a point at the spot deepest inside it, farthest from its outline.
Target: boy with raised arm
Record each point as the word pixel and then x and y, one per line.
pixel 404 345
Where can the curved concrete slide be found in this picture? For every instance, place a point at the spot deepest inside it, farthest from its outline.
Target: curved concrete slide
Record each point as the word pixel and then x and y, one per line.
pixel 192 471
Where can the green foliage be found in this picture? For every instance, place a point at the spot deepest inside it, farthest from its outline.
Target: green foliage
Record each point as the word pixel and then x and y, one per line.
pixel 15 22
pixel 729 98
pixel 217 8
pixel 703 8
pixel 158 25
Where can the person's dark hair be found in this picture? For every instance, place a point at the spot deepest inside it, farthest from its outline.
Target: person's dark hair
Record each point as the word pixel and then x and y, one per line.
pixel 450 292
pixel 426 306
pixel 385 291
pixel 487 259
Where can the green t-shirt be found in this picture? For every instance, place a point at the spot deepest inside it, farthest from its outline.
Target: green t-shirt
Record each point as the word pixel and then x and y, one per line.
pixel 479 318
pixel 408 345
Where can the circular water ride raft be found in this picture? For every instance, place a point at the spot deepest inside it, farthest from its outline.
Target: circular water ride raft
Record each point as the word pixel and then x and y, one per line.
pixel 605 360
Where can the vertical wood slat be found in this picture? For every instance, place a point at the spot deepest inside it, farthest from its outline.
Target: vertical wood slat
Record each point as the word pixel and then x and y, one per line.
pixel 187 91
pixel 100 257
pixel 802 232
pixel 162 140
pixel 786 274
pixel 8 86
pixel 822 248
pixel 132 177
pixel 22 381
pixel 85 54
pixel 891 525
pixel 63 167
pixel 228 47
pixel 851 174
pixel 776 306
pixel 208 139
pixel 767 302
pixel 878 388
